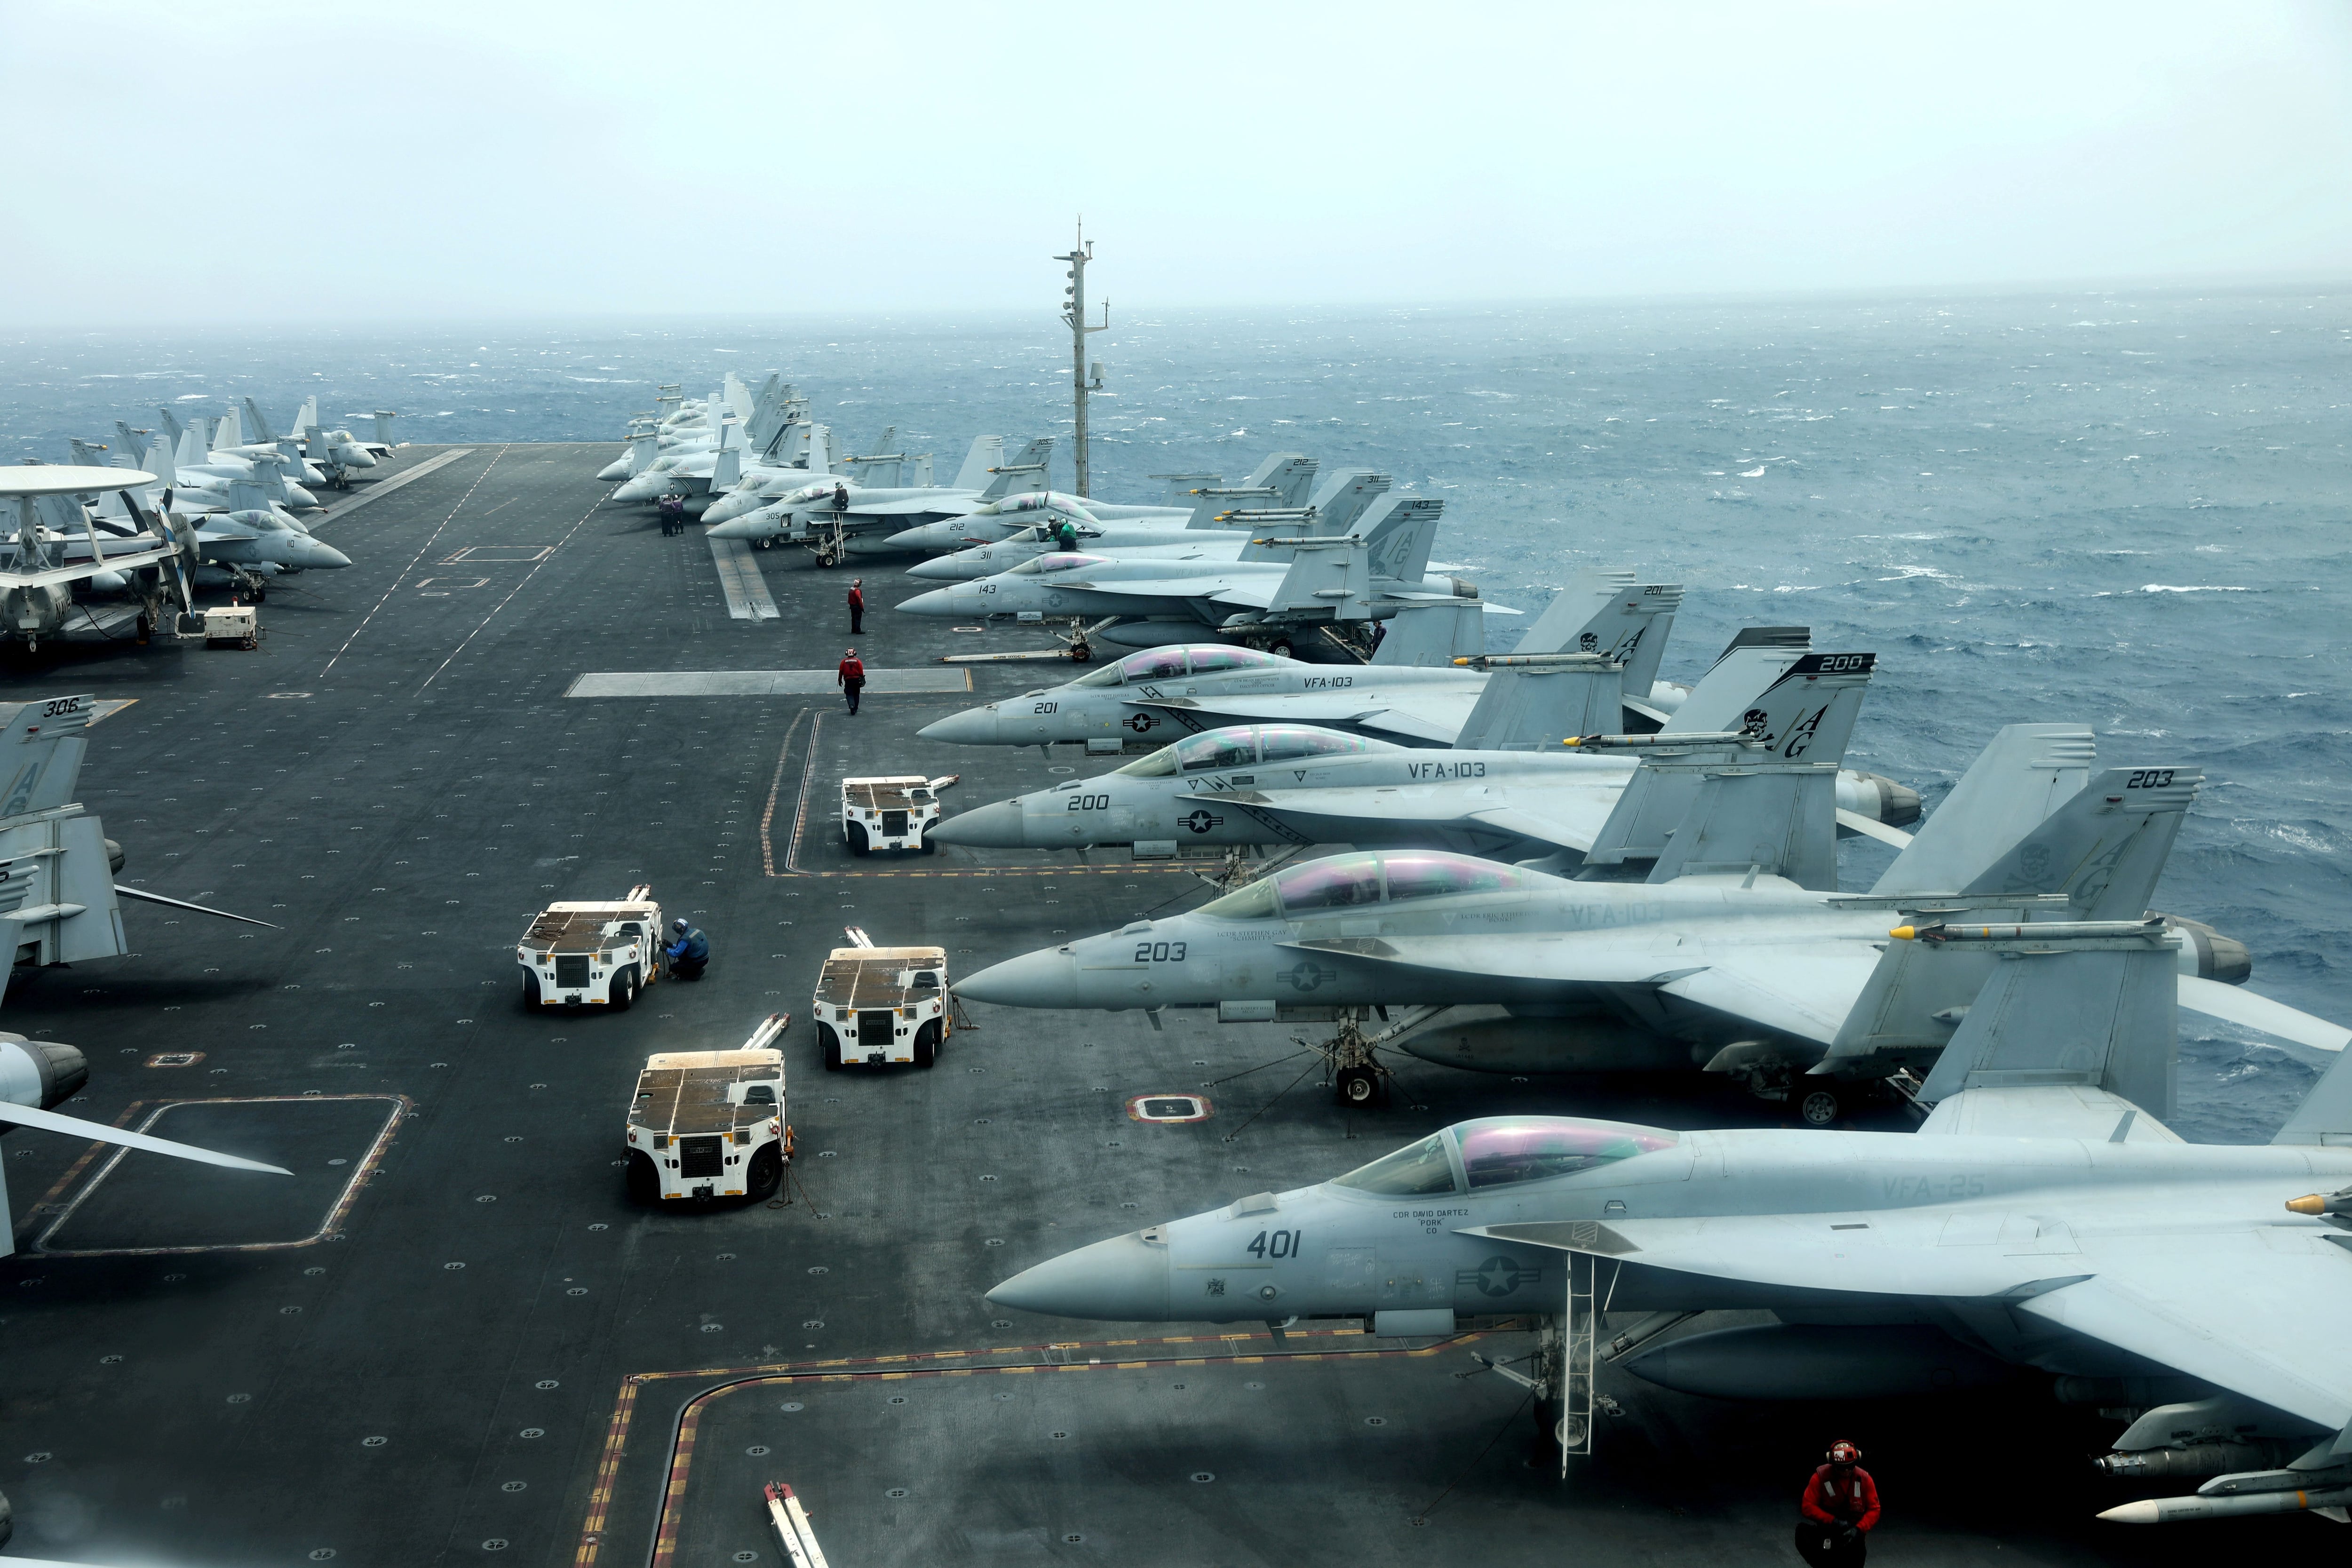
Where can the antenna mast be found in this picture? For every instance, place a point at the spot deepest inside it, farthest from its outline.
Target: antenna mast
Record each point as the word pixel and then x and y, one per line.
pixel 1074 313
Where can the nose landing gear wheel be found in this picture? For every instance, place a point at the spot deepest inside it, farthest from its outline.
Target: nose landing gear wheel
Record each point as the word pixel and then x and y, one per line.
pixel 1357 1086
pixel 1819 1109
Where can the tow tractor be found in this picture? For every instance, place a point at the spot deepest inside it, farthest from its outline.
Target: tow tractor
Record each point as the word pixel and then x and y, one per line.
pixel 711 1124
pixel 891 812
pixel 877 1005
pixel 592 955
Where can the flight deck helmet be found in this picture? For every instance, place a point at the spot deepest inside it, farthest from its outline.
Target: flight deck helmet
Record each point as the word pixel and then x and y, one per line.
pixel 679 927
pixel 1844 1453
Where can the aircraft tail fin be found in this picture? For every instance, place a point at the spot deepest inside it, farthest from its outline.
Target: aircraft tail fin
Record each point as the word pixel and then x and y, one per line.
pixel 767 414
pixel 172 428
pixel 1176 490
pixel 1587 596
pixel 1770 802
pixel 727 467
pixel 644 447
pixel 41 752
pixel 2024 774
pixel 248 495
pixel 134 442
pixel 260 425
pixel 306 418
pixel 1343 499
pixel 1431 636
pixel 2094 1006
pixel 1289 474
pixel 1726 692
pixel 191 448
pixel 85 455
pixel 2104 847
pixel 1398 546
pixel 987 452
pixel 2325 1114
pixel 1025 474
pixel 1525 709
pixel 1325 578
pixel 384 418
pixel 227 431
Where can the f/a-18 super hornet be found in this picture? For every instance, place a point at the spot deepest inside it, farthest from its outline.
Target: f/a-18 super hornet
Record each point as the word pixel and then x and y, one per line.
pixel 835 515
pixel 1491 795
pixel 1279 584
pixel 1057 522
pixel 1421 684
pixel 803 468
pixel 1278 486
pixel 1721 961
pixel 2042 1222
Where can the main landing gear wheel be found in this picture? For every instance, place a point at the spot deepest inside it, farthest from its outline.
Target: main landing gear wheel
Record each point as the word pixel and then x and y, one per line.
pixel 1281 648
pixel 1357 1086
pixel 1819 1109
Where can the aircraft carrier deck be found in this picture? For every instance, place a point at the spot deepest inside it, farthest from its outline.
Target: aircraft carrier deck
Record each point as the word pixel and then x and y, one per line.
pixel 452 1338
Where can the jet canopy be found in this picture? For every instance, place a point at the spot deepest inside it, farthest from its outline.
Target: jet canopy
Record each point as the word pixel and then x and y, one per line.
pixel 1059 563
pixel 1242 745
pixel 1044 500
pixel 1503 1151
pixel 1351 881
pixel 1170 664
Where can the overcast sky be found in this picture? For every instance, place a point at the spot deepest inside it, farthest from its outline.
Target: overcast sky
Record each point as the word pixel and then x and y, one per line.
pixel 338 159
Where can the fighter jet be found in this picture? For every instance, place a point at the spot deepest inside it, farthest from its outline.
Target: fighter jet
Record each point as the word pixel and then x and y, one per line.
pixel 810 514
pixel 1280 586
pixel 2042 1217
pixel 1721 961
pixel 36 579
pixel 1281 483
pixel 803 471
pixel 1163 534
pixel 694 470
pixel 1421 686
pixel 1490 796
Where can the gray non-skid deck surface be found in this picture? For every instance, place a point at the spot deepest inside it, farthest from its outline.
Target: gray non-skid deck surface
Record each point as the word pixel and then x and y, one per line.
pixel 443 1382
pixel 740 580
pixel 762 682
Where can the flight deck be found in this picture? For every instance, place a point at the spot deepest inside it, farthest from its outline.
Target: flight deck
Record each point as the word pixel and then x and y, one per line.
pixel 453 1337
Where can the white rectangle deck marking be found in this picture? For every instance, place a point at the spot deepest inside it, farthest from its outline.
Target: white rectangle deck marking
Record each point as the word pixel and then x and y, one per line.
pixel 453 582
pixel 385 487
pixel 499 555
pixel 762 683
pixel 740 580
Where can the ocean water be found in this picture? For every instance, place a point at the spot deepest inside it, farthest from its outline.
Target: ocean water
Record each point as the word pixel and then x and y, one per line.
pixel 2128 510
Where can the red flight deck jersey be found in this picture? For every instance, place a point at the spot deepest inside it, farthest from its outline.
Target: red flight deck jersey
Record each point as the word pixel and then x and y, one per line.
pixel 1852 1500
pixel 853 670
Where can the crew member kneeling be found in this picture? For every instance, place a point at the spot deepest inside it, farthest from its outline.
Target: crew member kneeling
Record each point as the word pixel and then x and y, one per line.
pixel 1840 1506
pixel 690 952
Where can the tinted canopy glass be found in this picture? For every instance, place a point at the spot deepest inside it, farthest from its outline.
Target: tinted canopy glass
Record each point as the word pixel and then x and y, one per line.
pixel 1501 1150
pixel 1343 882
pixel 1429 875
pixel 1206 660
pixel 1423 1170
pixel 1158 664
pixel 1234 748
pixel 1279 742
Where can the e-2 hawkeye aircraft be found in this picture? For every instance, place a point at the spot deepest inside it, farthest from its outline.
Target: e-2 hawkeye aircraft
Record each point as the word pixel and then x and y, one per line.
pixel 2043 1221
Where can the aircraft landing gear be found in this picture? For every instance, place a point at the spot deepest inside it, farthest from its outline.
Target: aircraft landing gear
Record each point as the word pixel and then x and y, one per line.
pixel 1359 1077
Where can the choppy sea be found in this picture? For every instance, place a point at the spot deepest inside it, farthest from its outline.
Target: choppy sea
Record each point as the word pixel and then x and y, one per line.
pixel 2123 509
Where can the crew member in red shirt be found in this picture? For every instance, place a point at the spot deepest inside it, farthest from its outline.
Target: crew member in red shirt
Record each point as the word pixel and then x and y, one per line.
pixel 1840 1506
pixel 856 606
pixel 853 681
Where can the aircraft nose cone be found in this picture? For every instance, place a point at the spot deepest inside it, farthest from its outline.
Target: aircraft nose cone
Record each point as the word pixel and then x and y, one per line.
pixel 1122 1280
pixel 1047 978
pixel 919 537
pixel 325 556
pixel 734 528
pixel 939 569
pixel 938 601
pixel 996 826
pixel 972 727
pixel 727 506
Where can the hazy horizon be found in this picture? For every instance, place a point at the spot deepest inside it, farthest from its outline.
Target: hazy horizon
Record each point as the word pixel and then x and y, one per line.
pixel 536 162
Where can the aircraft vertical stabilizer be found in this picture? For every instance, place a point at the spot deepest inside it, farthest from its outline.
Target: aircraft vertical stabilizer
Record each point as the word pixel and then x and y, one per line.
pixel 2104 847
pixel 987 452
pixel 1291 477
pixel 2028 771
pixel 228 431
pixel 1776 813
pixel 1024 475
pixel 1341 500
pixel 1572 610
pixel 1325 578
pixel 172 428
pixel 2325 1114
pixel 1398 546
pixel 1723 694
pixel 260 426
pixel 1431 636
pixel 1524 709
pixel 2098 1011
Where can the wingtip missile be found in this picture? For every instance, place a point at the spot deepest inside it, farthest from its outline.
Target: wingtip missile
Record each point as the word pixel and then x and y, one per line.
pixel 2322 1203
